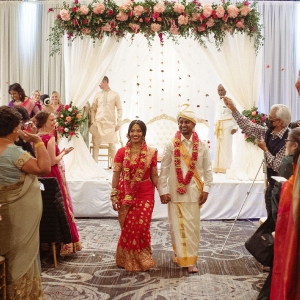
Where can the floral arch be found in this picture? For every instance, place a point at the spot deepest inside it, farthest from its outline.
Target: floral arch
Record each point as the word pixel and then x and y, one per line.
pixel 166 19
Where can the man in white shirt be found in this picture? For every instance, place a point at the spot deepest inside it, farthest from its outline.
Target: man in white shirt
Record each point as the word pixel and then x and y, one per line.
pixel 225 127
pixel 184 183
pixel 103 113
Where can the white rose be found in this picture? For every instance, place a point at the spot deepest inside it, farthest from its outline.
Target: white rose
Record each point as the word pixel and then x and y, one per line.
pixel 66 130
pixel 70 109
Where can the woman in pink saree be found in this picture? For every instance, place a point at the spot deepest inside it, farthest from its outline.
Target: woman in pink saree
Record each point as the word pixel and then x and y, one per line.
pixel 286 267
pixel 45 122
pixel 19 98
pixel 134 179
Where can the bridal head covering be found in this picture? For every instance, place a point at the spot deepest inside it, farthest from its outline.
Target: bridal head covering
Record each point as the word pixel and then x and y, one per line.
pixel 186 113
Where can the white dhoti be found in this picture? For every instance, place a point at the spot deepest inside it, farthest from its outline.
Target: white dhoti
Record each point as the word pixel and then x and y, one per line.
pixel 184 219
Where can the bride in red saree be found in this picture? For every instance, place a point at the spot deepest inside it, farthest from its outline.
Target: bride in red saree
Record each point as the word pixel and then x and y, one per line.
pixel 134 179
pixel 286 266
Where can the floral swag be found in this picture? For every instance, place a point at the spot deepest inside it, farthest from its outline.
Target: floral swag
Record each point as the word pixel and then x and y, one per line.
pixel 166 19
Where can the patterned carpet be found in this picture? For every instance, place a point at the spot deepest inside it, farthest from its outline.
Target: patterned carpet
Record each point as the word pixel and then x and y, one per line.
pixel 92 273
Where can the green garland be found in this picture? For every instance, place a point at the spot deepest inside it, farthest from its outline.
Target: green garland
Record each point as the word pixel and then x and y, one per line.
pixel 151 18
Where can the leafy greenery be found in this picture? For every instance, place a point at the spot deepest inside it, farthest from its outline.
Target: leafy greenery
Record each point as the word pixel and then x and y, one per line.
pixel 191 20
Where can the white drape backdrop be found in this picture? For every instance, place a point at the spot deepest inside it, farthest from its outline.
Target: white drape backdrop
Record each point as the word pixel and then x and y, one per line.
pixel 157 80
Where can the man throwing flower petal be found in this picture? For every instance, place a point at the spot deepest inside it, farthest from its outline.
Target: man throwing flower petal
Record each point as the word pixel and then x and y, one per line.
pixel 184 183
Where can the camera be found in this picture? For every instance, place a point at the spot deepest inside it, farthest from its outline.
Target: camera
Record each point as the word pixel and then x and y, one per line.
pixel 47 101
pixel 27 124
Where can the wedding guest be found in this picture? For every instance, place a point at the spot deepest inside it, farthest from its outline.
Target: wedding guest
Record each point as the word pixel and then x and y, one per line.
pixel 134 179
pixel 27 125
pixel 20 206
pixel 286 171
pixel 45 122
pixel 55 101
pixel 286 266
pixel 19 98
pixel 105 106
pixel 184 183
pixel 225 127
pixel 270 139
pixel 36 97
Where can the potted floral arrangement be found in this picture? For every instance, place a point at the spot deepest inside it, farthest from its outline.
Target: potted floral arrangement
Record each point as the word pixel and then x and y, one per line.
pixel 256 117
pixel 69 119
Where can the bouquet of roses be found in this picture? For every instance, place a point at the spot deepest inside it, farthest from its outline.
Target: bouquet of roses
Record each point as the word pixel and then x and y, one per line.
pixel 256 117
pixel 69 119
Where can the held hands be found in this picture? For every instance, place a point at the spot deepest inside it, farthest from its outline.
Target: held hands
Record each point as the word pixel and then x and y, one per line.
pixel 203 198
pixel 165 198
pixel 229 103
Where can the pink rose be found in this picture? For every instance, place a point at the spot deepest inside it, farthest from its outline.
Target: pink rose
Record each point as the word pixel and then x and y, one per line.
pixel 134 27
pixel 75 22
pixel 110 12
pixel 182 20
pixel 138 10
pixel 263 118
pixel 201 28
pixel 147 20
pixel 245 10
pixel 83 10
pixel 122 16
pixel 195 17
pixel 220 11
pixel 74 9
pixel 174 30
pixel 253 121
pixel 67 106
pixel 210 22
pixel 50 9
pixel 225 18
pixel 155 27
pixel 86 31
pixel 71 133
pixel 254 113
pixel 64 14
pixel 240 24
pixel 155 15
pixel 106 27
pixel 60 129
pixel 159 7
pixel 126 5
pixel 85 21
pixel 99 8
pixel 233 11
pixel 179 8
pixel 207 10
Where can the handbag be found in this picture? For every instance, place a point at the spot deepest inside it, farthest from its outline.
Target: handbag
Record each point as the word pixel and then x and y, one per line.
pixel 261 243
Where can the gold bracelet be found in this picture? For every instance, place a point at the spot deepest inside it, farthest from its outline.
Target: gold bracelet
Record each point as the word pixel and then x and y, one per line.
pixel 114 190
pixel 114 198
pixel 39 144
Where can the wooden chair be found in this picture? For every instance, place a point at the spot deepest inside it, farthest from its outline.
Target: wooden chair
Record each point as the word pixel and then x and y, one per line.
pixel 3 277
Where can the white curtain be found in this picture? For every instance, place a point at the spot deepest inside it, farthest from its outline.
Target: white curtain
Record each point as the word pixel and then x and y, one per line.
pixel 24 49
pixel 281 55
pixel 86 63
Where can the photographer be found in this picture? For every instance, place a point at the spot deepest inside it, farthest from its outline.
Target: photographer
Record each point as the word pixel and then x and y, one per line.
pixel 46 101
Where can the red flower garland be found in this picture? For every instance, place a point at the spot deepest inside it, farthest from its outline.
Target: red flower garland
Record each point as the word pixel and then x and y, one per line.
pixel 177 161
pixel 132 185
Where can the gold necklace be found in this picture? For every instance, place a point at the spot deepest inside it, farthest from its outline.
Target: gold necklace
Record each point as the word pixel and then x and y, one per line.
pixel 11 142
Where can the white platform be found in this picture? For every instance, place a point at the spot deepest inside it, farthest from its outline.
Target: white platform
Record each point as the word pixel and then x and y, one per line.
pixel 91 198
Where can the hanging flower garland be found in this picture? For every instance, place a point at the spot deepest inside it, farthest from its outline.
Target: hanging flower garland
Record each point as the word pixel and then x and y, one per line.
pixel 151 18
pixel 131 186
pixel 177 161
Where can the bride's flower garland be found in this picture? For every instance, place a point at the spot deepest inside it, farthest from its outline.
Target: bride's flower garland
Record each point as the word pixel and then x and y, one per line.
pixel 132 185
pixel 177 161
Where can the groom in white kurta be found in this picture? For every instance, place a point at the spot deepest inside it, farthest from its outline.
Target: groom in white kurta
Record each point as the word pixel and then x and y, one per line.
pixel 103 113
pixel 184 208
